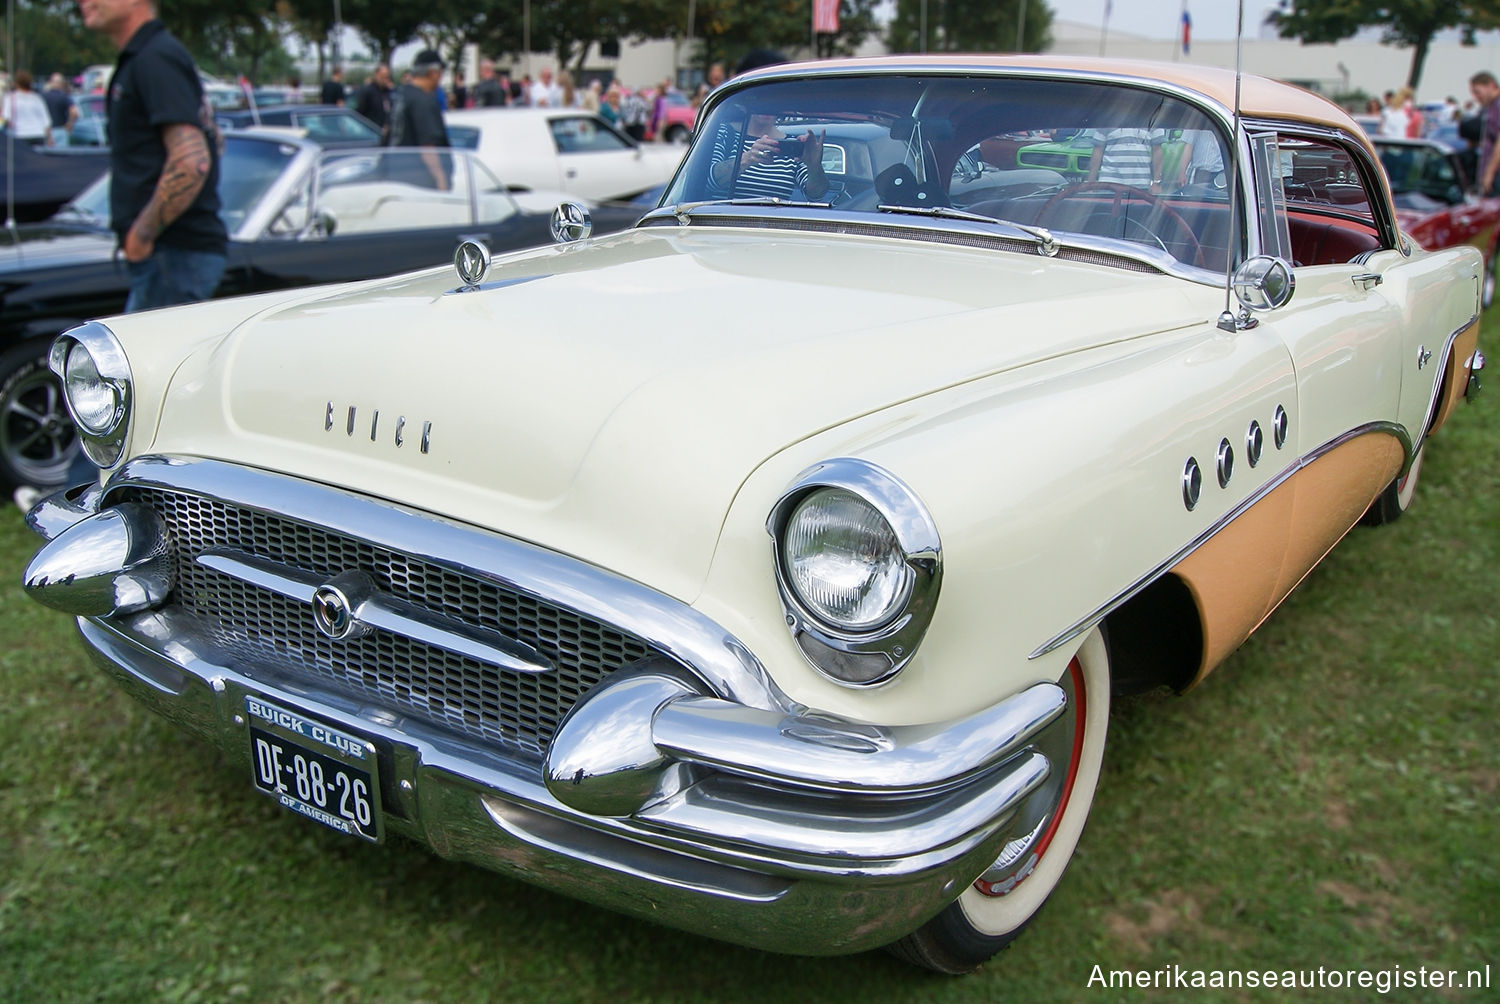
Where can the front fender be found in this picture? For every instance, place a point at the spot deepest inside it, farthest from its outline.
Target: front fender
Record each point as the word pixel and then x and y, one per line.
pixel 1055 488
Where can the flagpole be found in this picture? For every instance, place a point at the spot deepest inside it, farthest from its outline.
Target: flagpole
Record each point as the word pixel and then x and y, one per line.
pixel 1104 26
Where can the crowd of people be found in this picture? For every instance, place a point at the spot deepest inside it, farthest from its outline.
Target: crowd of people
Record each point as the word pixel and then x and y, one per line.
pixel 1475 124
pixel 40 118
pixel 47 117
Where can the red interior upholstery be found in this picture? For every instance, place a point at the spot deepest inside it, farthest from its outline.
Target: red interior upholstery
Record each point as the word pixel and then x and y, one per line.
pixel 1323 242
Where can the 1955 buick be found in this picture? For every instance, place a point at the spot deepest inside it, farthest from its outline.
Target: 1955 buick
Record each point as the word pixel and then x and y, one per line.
pixel 790 618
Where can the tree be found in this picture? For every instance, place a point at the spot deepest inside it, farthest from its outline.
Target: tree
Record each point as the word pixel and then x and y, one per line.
pixel 50 37
pixel 971 25
pixel 726 29
pixel 1410 23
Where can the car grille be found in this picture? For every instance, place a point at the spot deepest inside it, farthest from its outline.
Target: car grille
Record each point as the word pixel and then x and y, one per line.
pixel 1035 159
pixel 259 627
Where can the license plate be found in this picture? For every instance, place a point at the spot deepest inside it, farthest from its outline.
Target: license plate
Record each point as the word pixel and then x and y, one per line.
pixel 313 770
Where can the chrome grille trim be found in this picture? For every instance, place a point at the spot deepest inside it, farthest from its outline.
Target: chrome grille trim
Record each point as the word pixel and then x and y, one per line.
pixel 384 611
pixel 585 621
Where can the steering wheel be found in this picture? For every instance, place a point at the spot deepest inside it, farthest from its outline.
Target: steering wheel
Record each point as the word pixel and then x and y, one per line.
pixel 1122 220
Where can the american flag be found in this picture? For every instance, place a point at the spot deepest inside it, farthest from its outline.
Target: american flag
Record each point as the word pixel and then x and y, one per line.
pixel 1187 29
pixel 826 16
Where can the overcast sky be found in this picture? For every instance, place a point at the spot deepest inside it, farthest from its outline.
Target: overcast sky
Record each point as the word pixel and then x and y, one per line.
pixel 1163 18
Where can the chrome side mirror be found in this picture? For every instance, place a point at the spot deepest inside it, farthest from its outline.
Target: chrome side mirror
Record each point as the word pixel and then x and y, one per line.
pixel 1264 283
pixel 324 223
pixel 571 222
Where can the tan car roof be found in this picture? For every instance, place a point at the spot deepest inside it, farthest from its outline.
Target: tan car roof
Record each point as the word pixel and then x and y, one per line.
pixel 1260 97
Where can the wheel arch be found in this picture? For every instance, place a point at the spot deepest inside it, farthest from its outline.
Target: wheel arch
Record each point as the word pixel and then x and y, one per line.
pixel 1155 638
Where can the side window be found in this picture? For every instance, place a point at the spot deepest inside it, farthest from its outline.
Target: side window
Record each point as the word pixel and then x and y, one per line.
pixel 394 189
pixel 1328 210
pixel 463 137
pixel 1439 177
pixel 493 200
pixel 338 127
pixel 584 134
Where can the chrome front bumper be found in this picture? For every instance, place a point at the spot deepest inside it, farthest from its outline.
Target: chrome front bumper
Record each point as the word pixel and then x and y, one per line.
pixel 779 829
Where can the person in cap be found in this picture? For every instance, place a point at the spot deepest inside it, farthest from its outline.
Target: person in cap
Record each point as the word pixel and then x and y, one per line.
pixel 417 119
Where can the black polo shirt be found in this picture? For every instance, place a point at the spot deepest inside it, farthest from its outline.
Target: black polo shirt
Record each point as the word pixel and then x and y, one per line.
pixel 155 85
pixel 416 119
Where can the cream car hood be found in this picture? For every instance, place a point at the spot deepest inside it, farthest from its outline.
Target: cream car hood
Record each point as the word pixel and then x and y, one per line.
pixel 608 400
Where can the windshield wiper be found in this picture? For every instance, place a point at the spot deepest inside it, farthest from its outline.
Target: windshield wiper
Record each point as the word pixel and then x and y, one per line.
pixel 685 211
pixel 1046 243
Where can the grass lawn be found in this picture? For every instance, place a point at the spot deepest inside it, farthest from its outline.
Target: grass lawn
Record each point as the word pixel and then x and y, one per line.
pixel 1329 797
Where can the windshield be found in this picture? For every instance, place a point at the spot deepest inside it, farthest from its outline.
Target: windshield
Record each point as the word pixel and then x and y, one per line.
pixel 1100 159
pixel 247 170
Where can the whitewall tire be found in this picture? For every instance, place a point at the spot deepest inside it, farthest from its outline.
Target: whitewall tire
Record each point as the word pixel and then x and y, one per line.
pixel 992 911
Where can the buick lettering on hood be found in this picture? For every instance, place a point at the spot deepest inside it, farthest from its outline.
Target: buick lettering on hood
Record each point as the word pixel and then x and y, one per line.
pixel 789 616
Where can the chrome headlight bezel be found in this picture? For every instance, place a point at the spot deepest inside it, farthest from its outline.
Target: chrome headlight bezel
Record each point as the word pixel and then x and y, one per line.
pixel 103 436
pixel 871 653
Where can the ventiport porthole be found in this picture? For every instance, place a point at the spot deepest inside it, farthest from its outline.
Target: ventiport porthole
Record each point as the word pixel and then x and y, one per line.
pixel 1192 483
pixel 1225 462
pixel 1255 441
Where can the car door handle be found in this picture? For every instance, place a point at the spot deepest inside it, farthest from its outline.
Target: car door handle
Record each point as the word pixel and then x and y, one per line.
pixel 572 173
pixel 1367 280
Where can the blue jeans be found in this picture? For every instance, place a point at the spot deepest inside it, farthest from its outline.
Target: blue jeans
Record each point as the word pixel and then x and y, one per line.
pixel 172 276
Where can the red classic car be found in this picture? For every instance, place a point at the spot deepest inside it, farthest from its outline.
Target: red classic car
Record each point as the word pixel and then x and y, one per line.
pixel 1433 202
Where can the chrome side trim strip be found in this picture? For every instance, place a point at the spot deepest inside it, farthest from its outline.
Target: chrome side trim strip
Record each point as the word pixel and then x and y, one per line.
pixel 1119 599
pixel 1437 386
pixel 386 612
pixel 670 626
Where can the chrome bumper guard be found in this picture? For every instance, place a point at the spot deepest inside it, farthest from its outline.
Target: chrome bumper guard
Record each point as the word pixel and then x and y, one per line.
pixel 783 830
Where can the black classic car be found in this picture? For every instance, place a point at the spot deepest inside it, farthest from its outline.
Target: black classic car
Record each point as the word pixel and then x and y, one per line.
pixel 330 126
pixel 297 215
pixel 36 182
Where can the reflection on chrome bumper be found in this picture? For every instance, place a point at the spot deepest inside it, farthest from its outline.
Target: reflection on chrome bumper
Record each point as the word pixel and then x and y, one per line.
pixel 721 856
pixel 659 795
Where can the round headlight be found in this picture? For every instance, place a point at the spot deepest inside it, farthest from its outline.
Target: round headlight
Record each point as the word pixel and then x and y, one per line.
pixel 843 561
pixel 95 401
pixel 95 376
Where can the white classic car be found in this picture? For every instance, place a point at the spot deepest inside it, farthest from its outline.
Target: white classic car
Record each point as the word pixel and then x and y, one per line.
pixel 792 619
pixel 567 149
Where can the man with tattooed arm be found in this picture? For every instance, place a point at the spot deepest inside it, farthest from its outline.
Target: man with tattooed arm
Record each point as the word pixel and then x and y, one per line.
pixel 164 186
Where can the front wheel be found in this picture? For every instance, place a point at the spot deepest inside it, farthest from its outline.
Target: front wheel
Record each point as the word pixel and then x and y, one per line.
pixel 679 134
pixel 37 439
pixel 992 912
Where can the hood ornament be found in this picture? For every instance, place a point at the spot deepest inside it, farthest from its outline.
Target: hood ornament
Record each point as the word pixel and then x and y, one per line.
pixel 571 222
pixel 472 262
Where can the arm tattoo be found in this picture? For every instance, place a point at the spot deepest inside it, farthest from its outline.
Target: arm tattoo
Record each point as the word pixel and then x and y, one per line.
pixel 182 178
